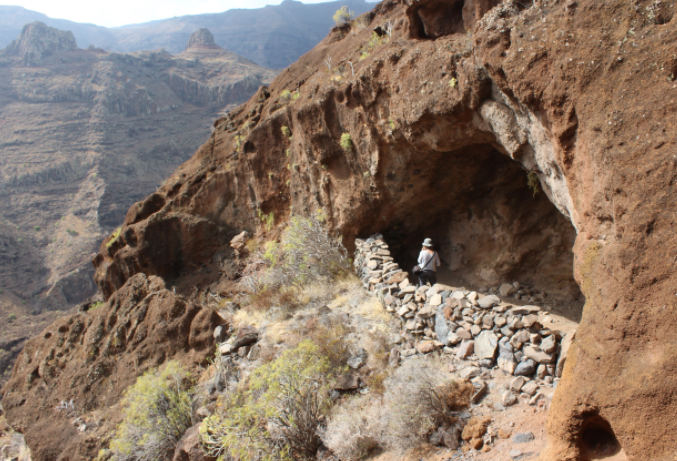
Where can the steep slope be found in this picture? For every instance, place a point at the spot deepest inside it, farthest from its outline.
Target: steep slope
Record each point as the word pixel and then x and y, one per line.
pixel 273 37
pixel 431 132
pixel 85 134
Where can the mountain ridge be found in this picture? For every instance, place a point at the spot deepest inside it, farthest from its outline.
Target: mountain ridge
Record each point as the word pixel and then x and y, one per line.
pixel 273 36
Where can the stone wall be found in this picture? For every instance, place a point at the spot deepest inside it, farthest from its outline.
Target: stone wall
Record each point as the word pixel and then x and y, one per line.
pixel 519 340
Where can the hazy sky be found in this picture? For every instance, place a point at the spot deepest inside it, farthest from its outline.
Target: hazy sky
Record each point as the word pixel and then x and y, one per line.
pixel 111 13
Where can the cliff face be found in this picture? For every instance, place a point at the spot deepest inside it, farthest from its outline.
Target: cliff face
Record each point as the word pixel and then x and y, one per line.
pixel 434 127
pixel 83 135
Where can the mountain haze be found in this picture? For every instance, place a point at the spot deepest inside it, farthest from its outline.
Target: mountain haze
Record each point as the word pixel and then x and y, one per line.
pixel 273 36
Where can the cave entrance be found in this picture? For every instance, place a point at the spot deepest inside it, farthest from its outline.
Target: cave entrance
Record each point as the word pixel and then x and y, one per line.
pixel 489 226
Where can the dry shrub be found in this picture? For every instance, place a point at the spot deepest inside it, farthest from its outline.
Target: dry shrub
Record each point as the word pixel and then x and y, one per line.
pixel 330 340
pixel 418 398
pixel 421 398
pixel 355 429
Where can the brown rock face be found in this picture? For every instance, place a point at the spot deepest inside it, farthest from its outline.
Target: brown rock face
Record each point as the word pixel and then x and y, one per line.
pixel 438 129
pixel 92 357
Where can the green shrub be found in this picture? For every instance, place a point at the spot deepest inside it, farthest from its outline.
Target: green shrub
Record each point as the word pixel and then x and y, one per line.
pixel 11 317
pixel 274 414
pixel 346 142
pixel 533 182
pixel 156 413
pixel 96 305
pixel 37 228
pixel 286 132
pixel 285 95
pixel 343 15
pixel 453 82
pixel 114 237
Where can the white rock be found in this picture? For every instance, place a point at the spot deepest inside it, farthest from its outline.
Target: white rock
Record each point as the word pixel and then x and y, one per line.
pixel 435 300
pixel 485 345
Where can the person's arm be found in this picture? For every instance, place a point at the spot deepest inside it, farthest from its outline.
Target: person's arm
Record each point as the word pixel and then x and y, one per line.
pixel 437 262
pixel 420 258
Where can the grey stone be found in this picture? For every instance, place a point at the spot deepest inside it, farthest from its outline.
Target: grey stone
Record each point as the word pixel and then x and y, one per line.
pixel 480 391
pixel 347 383
pixel 534 400
pixel 487 363
pixel 517 383
pixel 541 371
pixel 469 372
pixel 508 399
pixel 530 388
pixel 463 333
pixel 525 310
pixel 394 358
pixel 453 339
pixel 357 361
pixel 515 453
pixel 507 289
pixel 519 338
pixel 475 330
pixel 466 349
pixel 221 334
pixel 506 359
pixel 538 355
pixel 526 368
pixel 523 437
pixel 488 301
pixel 549 344
pixel 486 344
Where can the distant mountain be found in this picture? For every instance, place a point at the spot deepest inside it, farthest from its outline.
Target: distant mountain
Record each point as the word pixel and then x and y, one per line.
pixel 273 36
pixel 83 135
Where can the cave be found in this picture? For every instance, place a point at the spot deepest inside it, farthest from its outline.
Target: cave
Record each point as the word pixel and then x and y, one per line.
pixel 491 222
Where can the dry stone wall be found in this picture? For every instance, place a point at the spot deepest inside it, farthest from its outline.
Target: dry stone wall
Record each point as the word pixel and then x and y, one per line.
pixel 477 327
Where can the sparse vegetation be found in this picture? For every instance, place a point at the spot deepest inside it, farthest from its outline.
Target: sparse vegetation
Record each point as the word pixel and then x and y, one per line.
pixel 346 142
pixel 533 182
pixel 286 132
pixel 267 219
pixel 453 82
pixel 156 412
pixel 72 232
pixel 11 317
pixel 275 414
pixel 37 228
pixel 97 305
pixel 285 95
pixel 114 237
pixel 343 16
pixel 305 253
pixel 417 400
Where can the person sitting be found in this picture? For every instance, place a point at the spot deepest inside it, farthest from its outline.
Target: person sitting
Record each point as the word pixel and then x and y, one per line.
pixel 428 261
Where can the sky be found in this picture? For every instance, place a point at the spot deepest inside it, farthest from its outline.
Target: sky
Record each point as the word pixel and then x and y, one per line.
pixel 121 12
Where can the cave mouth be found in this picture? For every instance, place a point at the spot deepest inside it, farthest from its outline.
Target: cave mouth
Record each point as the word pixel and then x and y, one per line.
pixel 597 439
pixel 488 225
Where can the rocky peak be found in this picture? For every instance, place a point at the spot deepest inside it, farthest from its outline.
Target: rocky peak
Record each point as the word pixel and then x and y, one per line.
pixel 202 39
pixel 37 41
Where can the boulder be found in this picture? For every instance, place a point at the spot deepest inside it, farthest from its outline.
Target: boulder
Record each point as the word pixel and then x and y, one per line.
pixel 523 437
pixel 221 334
pixel 488 301
pixel 549 344
pixel 188 448
pixel 506 358
pixel 517 383
pixel 486 344
pixel 466 349
pixel 526 368
pixel 347 383
pixel 538 355
pixel 425 347
pixel 507 289
pixel 525 310
pixel 508 399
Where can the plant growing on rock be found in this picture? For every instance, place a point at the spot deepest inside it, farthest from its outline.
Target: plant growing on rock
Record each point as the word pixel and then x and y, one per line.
pixel 156 413
pixel 343 16
pixel 286 132
pixel 306 253
pixel 114 237
pixel 533 182
pixel 346 142
pixel 275 413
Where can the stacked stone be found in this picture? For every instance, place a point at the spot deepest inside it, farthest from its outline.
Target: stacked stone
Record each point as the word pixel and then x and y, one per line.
pixel 376 268
pixel 461 321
